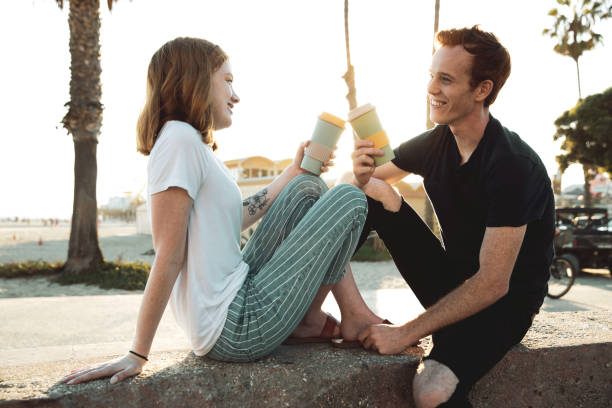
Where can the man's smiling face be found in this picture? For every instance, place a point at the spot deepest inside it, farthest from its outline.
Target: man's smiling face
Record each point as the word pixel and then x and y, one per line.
pixel 449 92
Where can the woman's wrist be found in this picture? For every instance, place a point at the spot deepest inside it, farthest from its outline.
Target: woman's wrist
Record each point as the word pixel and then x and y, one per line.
pixel 140 356
pixel 292 171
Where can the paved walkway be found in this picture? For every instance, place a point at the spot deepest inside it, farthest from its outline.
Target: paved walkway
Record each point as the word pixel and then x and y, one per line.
pixel 53 328
pixel 43 322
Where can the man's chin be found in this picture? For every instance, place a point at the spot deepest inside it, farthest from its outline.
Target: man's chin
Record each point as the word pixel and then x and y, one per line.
pixel 438 120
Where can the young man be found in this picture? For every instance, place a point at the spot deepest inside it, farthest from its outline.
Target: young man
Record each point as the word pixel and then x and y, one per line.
pixel 482 286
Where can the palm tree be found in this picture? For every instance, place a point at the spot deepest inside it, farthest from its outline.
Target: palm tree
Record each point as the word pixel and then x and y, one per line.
pixel 429 124
pixel 349 75
pixel 83 122
pixel 349 78
pixel 429 212
pixel 573 30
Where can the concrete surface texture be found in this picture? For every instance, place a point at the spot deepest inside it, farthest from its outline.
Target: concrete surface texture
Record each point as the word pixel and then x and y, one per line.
pixel 565 361
pixel 48 330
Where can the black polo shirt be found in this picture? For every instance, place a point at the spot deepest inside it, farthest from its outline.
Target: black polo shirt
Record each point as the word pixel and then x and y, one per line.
pixel 504 183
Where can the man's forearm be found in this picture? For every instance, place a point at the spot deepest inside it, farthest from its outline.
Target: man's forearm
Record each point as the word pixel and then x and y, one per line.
pixel 498 253
pixel 471 297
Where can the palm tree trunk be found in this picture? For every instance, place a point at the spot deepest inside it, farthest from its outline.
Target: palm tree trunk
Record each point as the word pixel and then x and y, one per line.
pixel 349 75
pixel 578 73
pixel 83 122
pixel 429 124
pixel 429 212
pixel 589 174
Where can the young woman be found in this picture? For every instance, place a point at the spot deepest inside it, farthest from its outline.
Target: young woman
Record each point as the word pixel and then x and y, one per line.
pixel 233 306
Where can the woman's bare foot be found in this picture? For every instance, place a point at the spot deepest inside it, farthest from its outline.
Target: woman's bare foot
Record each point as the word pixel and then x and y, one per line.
pixel 312 326
pixel 353 324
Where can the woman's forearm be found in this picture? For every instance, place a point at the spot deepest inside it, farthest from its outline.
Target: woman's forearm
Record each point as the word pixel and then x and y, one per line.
pixel 169 215
pixel 254 207
pixel 155 298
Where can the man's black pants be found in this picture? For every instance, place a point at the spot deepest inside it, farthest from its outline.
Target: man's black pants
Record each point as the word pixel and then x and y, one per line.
pixel 471 347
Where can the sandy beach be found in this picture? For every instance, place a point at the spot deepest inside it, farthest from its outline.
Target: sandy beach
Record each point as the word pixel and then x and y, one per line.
pixel 19 242
pixel 119 241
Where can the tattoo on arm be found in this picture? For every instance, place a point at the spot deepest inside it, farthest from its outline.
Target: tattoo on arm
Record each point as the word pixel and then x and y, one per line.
pixel 256 202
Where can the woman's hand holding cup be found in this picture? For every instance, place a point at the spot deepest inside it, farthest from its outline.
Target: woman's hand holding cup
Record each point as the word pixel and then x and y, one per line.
pixel 319 151
pixel 299 156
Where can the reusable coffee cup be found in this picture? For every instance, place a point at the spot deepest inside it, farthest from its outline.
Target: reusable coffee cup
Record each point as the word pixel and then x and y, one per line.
pixel 324 138
pixel 366 125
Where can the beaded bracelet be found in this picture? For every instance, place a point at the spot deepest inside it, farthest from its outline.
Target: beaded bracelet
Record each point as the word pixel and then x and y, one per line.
pixel 139 355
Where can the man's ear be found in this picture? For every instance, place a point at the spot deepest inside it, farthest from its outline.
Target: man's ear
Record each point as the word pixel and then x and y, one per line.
pixel 483 90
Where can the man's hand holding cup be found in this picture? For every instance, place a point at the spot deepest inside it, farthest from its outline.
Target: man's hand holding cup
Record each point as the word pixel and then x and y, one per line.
pixel 372 147
pixel 363 161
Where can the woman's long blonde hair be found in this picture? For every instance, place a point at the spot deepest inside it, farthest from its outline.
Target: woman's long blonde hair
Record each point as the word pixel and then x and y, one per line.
pixel 179 87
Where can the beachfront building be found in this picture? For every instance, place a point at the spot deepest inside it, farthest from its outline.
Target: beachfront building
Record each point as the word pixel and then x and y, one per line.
pixel 143 223
pixel 255 172
pixel 120 208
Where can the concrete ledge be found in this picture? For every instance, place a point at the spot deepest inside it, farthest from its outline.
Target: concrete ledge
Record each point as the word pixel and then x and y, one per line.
pixel 565 361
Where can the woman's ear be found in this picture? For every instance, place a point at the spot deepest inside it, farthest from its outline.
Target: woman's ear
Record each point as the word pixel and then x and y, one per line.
pixel 483 90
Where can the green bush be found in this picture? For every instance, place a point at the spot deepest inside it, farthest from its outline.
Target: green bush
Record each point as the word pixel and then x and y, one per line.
pixel 30 269
pixel 368 252
pixel 131 275
pixel 110 275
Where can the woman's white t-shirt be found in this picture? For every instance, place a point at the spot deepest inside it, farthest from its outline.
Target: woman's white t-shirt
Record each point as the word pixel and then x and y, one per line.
pixel 213 270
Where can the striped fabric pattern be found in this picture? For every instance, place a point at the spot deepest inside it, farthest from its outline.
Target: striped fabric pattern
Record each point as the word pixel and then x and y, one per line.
pixel 304 241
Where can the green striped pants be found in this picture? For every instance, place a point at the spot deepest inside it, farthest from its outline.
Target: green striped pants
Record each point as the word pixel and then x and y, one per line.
pixel 304 241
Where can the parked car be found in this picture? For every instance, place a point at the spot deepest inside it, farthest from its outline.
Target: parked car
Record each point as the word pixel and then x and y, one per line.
pixel 584 237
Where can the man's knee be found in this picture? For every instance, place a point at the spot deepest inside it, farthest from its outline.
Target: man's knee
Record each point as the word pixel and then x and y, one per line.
pixel 434 383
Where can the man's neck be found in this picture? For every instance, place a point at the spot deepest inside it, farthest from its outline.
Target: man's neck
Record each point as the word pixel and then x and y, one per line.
pixel 469 131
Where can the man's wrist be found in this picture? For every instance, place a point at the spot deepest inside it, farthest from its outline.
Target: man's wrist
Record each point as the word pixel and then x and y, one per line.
pixel 393 204
pixel 408 331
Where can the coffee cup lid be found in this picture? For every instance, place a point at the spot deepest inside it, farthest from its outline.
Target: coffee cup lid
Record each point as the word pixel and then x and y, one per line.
pixel 360 110
pixel 334 120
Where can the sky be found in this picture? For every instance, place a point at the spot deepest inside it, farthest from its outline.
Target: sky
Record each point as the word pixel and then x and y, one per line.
pixel 287 57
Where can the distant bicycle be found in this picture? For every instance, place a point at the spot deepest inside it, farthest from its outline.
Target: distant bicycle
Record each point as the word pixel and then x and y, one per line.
pixel 583 239
pixel 562 275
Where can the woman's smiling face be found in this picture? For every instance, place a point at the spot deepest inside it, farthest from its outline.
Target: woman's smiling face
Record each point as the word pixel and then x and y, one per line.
pixel 224 97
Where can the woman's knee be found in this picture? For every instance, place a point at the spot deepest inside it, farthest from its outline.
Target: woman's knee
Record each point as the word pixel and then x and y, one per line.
pixel 351 195
pixel 306 184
